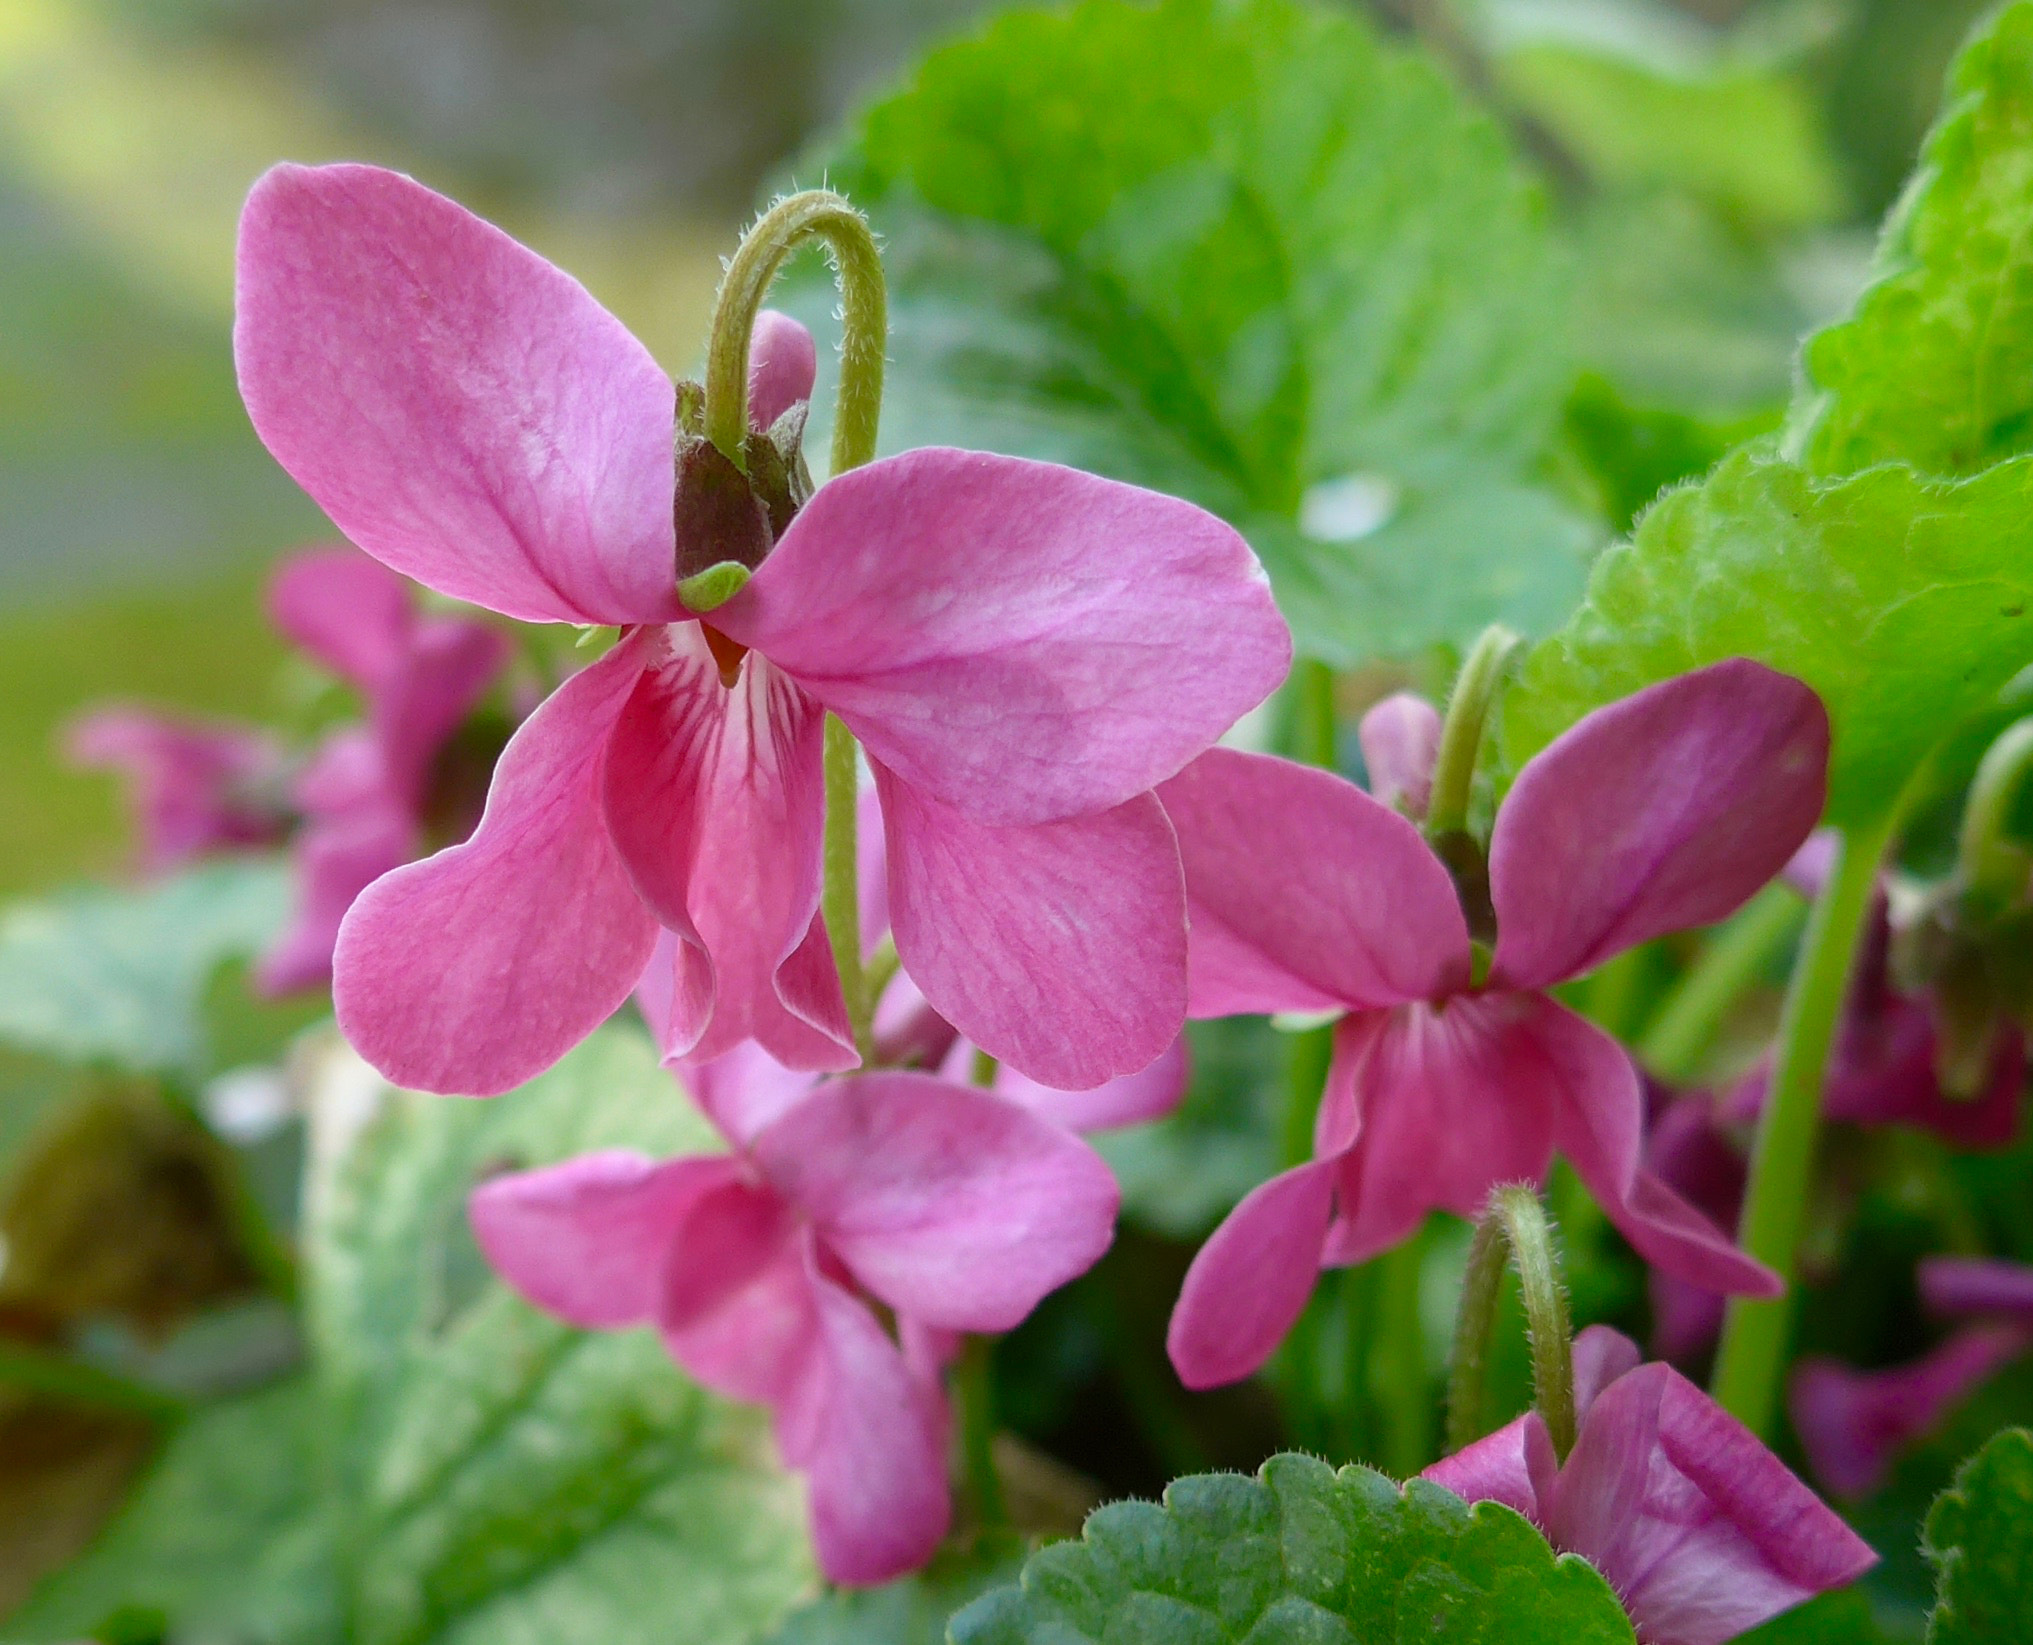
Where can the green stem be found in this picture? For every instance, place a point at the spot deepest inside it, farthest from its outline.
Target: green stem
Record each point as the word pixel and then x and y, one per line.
pixel 1313 732
pixel 1990 865
pixel 76 1383
pixel 1514 1230
pixel 1397 1361
pixel 1751 1358
pixel 814 214
pixel 1737 954
pixel 840 897
pixel 1475 688
pixel 974 1390
pixel 1306 1062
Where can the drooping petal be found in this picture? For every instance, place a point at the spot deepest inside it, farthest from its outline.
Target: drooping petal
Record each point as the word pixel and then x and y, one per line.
pixel 1702 1531
pixel 1251 1280
pixel 1663 811
pixel 1977 1285
pixel 1132 1099
pixel 715 797
pixel 782 364
pixel 950 1204
pixel 462 410
pixel 1019 641
pixel 734 1302
pixel 1598 1119
pixel 1500 1467
pixel 1400 740
pixel 1305 893
pixel 587 1240
pixel 1854 1424
pixel 476 969
pixel 1428 1110
pixel 745 1090
pixel 349 612
pixel 1060 948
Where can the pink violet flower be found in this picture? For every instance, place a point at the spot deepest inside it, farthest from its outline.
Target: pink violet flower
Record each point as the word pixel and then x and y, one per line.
pixel 956 1210
pixel 1663 811
pixel 1024 651
pixel 1703 1533
pixel 195 788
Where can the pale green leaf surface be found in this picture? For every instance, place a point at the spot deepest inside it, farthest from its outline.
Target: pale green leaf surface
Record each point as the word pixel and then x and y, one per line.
pixel 1235 252
pixel 913 1611
pixel 1903 601
pixel 1298 1555
pixel 1979 1537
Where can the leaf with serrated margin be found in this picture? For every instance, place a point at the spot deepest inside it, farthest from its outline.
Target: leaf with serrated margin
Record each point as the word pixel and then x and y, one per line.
pixel 1979 1538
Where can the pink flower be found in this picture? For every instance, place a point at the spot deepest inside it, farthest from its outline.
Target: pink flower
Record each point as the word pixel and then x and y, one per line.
pixel 1660 812
pixel 1022 650
pixel 951 1207
pixel 1702 1531
pixel 1854 1424
pixel 196 788
pixel 365 793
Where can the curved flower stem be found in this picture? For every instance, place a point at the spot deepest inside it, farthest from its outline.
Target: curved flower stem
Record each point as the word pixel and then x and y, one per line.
pixel 1988 864
pixel 814 214
pixel 1750 1361
pixel 1685 1026
pixel 1514 1229
pixel 840 896
pixel 1475 688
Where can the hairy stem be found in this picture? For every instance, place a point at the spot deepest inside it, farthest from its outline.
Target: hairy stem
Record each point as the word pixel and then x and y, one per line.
pixel 1513 1231
pixel 1475 688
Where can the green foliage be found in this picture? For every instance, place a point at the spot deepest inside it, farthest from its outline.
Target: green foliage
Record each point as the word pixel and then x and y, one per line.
pixel 913 1611
pixel 121 978
pixel 1936 366
pixel 1250 255
pixel 1841 1618
pixel 1979 1537
pixel 1902 600
pixel 1301 1553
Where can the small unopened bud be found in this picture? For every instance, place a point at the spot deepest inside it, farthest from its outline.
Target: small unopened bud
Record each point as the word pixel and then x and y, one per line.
pixel 1400 740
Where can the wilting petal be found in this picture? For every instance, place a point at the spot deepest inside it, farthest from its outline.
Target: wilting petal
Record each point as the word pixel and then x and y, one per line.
pixel 196 787
pixel 1130 1100
pixel 1701 1530
pixel 1400 740
pixel 949 1204
pixel 716 800
pixel 335 859
pixel 1853 1424
pixel 462 410
pixel 1509 1466
pixel 1020 641
pixel 587 1240
pixel 1428 1110
pixel 478 968
pixel 745 1090
pixel 1599 1110
pixel 1305 893
pixel 782 363
pixel 1977 1285
pixel 1251 1279
pixel 348 611
pixel 1060 949
pixel 1657 813
pixel 870 1436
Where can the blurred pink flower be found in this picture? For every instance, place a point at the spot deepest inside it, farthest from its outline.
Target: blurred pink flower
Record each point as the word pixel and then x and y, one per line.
pixel 1657 813
pixel 1703 1533
pixel 956 1210
pixel 1023 651
pixel 195 787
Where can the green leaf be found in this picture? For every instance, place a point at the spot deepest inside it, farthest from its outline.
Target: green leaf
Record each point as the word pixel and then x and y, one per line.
pixel 1979 1537
pixel 501 1478
pixel 1936 366
pixel 1248 254
pixel 911 1612
pixel 119 978
pixel 226 1538
pixel 1902 600
pixel 1301 1553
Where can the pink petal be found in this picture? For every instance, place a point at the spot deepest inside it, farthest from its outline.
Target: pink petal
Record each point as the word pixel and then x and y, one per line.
pixel 1305 893
pixel 448 666
pixel 1130 1100
pixel 1400 740
pixel 870 1435
pixel 1060 948
pixel 782 364
pixel 1701 1530
pixel 1020 641
pixel 1977 1285
pixel 1600 1355
pixel 197 788
pixel 1499 1467
pixel 1883 1072
pixel 1251 1280
pixel 1807 870
pixel 716 800
pixel 1854 1424
pixel 335 859
pixel 1599 1109
pixel 349 612
pixel 478 968
pixel 587 1240
pixel 1428 1110
pixel 949 1204
pixel 462 410
pixel 745 1090
pixel 1657 813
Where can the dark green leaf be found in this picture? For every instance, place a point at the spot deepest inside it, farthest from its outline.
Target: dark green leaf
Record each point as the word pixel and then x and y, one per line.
pixel 1841 1618
pixel 1301 1554
pixel 1979 1537
pixel 1248 254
